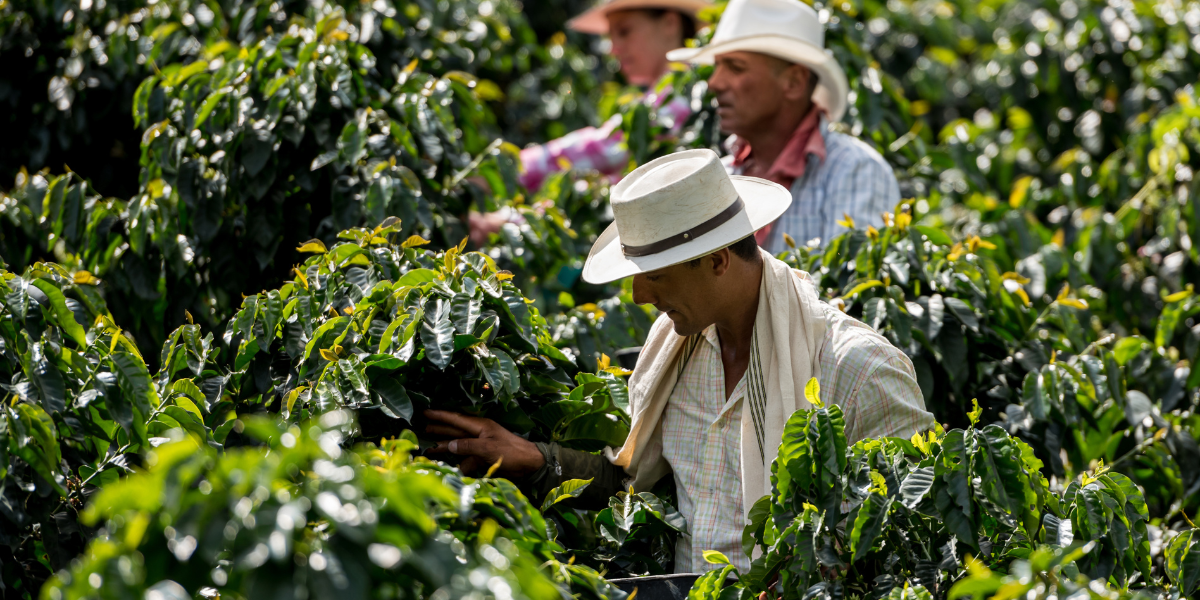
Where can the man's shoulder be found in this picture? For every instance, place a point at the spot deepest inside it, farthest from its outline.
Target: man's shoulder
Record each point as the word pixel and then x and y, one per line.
pixel 842 149
pixel 850 343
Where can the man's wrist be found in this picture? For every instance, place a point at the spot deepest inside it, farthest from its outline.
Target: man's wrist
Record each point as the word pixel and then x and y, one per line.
pixel 529 461
pixel 548 465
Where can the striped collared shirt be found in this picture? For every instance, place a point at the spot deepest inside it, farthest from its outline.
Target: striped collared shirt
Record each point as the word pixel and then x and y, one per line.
pixel 852 179
pixel 871 380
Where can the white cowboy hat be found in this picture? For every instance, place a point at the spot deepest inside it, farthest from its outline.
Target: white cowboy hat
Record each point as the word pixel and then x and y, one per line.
pixel 676 208
pixel 786 29
pixel 595 20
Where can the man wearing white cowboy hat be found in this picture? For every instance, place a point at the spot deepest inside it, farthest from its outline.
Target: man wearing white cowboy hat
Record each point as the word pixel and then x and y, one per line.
pixel 777 90
pixel 738 337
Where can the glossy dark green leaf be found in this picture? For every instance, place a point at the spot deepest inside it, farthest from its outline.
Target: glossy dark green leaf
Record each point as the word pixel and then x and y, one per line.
pixel 1034 396
pixel 1183 561
pixel 34 438
pixel 963 312
pixel 1000 470
pixel 596 427
pixel 63 315
pixel 135 382
pixel 933 317
pixel 866 523
pixel 916 487
pixel 437 333
pixel 571 488
pixel 393 398
pixel 508 370
pixel 875 312
pixel 952 488
pixel 465 310
pixel 901 322
pixel 47 378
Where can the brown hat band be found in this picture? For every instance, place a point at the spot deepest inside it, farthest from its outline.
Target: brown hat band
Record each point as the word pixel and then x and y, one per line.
pixel 682 238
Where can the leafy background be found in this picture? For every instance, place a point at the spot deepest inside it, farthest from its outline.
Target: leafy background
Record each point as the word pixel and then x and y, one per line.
pixel 274 195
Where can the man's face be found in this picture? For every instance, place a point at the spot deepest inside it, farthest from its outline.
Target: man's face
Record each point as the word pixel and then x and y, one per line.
pixel 750 88
pixel 685 293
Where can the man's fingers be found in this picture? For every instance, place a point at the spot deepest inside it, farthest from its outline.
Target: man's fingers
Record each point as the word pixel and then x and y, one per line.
pixel 447 431
pixel 469 465
pixel 470 447
pixel 466 447
pixel 471 425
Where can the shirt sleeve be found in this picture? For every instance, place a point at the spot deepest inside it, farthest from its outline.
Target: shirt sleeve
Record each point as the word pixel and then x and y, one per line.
pixel 888 403
pixel 864 190
pixel 601 149
pixel 563 464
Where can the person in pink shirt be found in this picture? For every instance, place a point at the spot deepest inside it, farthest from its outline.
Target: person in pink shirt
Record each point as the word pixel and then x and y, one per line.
pixel 640 32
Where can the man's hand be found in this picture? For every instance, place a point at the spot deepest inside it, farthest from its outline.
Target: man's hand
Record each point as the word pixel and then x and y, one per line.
pixel 483 442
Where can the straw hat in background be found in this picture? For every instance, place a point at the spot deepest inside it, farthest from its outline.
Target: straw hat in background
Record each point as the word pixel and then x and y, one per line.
pixel 595 20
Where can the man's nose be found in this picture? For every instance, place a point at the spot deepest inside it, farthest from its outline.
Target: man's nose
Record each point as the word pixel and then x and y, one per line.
pixel 716 82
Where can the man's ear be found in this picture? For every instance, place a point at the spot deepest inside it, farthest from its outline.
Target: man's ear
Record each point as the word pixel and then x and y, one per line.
pixel 721 261
pixel 797 83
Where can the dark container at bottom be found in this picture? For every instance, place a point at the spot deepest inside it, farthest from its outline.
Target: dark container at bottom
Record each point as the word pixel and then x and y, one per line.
pixel 658 587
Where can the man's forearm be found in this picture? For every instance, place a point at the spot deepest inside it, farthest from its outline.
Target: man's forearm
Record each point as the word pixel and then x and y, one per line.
pixel 563 464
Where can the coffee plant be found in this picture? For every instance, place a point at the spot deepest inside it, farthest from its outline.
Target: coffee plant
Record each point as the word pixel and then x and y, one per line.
pixel 72 67
pixel 913 509
pixel 307 517
pixel 275 196
pixel 373 325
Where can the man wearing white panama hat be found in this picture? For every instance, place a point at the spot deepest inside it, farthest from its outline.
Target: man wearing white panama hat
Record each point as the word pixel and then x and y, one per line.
pixel 777 90
pixel 724 366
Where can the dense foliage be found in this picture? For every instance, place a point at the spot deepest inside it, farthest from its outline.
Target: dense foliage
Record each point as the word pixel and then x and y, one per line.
pixel 275 194
pixel 372 324
pixel 71 68
pixel 308 518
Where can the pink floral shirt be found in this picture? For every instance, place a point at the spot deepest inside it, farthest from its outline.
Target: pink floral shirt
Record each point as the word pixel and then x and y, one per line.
pixel 600 149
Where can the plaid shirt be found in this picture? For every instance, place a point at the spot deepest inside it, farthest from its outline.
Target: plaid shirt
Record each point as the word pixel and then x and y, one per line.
pixel 600 149
pixel 852 178
pixel 872 381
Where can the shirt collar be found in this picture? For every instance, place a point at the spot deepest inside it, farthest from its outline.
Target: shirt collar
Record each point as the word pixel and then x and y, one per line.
pixel 807 140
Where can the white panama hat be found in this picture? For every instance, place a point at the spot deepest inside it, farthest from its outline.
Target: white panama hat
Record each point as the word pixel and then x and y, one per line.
pixel 786 29
pixel 676 208
pixel 595 19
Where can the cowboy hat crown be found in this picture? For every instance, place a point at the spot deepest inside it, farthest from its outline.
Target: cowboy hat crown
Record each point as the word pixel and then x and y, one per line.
pixel 786 29
pixel 677 208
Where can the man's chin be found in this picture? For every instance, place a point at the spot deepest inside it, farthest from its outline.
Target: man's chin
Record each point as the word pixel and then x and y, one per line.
pixel 682 327
pixel 725 119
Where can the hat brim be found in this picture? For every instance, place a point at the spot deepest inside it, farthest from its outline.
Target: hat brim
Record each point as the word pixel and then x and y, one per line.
pixel 832 88
pixel 765 201
pixel 595 20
